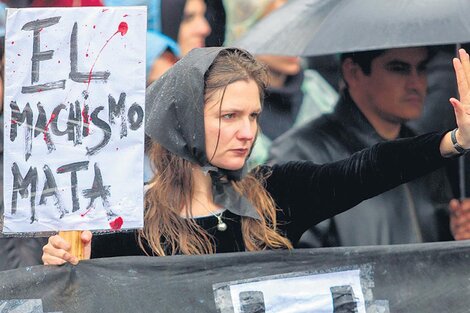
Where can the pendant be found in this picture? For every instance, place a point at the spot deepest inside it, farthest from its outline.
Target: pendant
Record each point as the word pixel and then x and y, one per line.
pixel 221 226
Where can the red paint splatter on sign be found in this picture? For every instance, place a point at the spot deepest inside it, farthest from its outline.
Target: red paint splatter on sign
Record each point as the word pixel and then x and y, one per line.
pixel 46 128
pixel 117 223
pixel 86 121
pixel 87 211
pixel 125 15
pixel 123 28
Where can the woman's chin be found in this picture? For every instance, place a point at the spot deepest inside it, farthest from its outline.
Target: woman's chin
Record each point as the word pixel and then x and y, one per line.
pixel 231 167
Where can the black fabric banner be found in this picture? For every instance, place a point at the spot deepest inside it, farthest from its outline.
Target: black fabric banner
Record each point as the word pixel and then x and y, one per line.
pixel 407 278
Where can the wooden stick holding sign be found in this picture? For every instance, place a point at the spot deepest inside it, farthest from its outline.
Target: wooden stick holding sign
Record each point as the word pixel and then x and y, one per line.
pixel 73 131
pixel 73 238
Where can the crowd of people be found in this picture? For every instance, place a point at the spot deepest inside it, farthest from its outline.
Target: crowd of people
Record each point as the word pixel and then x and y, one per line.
pixel 271 155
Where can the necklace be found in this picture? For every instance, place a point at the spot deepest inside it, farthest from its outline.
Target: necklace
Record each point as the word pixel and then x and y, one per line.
pixel 221 225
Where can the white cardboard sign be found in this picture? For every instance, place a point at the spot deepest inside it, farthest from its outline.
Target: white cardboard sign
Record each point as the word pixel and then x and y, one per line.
pixel 74 118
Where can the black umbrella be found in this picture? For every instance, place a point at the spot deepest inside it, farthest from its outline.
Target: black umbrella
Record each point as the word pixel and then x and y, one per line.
pixel 316 27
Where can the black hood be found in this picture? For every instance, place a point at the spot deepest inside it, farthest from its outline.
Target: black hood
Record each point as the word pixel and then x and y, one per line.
pixel 175 119
pixel 175 108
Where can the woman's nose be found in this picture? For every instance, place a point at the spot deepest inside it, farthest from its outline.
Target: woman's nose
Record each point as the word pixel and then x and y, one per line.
pixel 247 130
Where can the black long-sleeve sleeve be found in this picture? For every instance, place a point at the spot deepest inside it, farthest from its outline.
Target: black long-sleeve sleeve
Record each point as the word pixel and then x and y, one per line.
pixel 308 193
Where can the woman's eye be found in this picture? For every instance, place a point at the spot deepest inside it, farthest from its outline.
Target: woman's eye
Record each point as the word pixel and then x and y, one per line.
pixel 254 115
pixel 228 115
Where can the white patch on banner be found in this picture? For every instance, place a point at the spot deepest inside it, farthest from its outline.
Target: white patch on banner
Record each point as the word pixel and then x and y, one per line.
pixel 74 118
pixel 22 306
pixel 311 293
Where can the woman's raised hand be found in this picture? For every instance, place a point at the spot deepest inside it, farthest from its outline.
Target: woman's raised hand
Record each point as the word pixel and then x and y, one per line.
pixel 462 106
pixel 57 250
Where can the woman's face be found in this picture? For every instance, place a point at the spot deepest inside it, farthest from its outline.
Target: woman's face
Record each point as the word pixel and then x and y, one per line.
pixel 194 27
pixel 231 126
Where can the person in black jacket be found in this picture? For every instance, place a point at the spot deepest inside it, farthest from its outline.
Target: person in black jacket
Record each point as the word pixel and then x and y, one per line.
pixel 383 90
pixel 202 117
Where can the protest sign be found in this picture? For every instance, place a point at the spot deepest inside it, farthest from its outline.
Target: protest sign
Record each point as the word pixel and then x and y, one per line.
pixel 74 118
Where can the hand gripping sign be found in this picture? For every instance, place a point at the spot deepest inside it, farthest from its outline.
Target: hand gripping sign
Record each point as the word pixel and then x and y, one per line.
pixel 74 119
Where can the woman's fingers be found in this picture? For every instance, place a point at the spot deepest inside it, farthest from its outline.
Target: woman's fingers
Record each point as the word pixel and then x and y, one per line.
pixel 57 252
pixel 462 73
pixel 58 242
pixel 52 256
pixel 86 236
pixel 464 58
pixel 50 260
pixel 86 239
pixel 462 83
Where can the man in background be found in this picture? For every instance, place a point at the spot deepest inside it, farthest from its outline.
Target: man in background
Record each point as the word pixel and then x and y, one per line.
pixel 383 90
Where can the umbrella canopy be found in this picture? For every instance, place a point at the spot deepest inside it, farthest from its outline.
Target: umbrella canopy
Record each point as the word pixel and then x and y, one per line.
pixel 316 27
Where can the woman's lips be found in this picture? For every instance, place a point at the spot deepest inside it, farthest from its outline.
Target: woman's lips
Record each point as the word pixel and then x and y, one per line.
pixel 240 151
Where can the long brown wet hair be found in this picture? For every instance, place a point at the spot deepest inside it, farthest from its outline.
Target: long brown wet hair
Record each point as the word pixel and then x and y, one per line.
pixel 171 188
